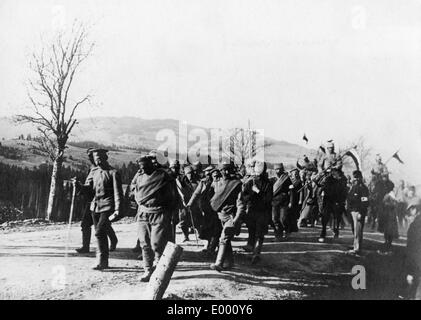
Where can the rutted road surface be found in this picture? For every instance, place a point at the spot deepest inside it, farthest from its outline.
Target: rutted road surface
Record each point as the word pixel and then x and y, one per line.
pixel 33 265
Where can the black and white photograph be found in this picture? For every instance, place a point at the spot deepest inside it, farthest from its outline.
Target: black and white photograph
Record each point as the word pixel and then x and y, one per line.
pixel 224 150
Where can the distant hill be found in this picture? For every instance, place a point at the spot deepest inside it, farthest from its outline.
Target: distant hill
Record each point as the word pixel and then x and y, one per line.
pixel 127 136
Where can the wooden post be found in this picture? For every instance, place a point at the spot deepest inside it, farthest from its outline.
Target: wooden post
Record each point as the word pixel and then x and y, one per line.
pixel 162 275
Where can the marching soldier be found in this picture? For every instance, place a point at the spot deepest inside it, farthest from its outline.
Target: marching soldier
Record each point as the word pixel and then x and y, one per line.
pixel 388 215
pixel 248 174
pixel 211 226
pixel 331 195
pixel 104 183
pixel 228 202
pixel 87 222
pixel 357 204
pixel 189 216
pixel 294 203
pixel 308 201
pixel 155 194
pixel 280 200
pixel 257 193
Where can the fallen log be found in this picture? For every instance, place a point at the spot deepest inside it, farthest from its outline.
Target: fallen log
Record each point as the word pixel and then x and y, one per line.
pixel 162 275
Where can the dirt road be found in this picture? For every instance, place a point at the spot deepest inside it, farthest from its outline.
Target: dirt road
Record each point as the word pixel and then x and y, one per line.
pixel 33 265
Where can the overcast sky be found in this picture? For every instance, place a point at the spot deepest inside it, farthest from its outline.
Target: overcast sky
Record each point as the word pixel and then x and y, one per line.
pixel 332 69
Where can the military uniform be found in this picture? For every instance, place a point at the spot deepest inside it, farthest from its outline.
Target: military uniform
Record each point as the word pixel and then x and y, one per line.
pixel 294 208
pixel 388 217
pixel 156 196
pixel 257 194
pixel 308 202
pixel 331 160
pixel 331 196
pixel 188 217
pixel 228 202
pixel 105 183
pixel 87 223
pixel 280 202
pixel 357 204
pixel 211 226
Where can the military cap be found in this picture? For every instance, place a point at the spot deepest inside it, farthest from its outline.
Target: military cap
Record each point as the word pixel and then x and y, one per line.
pixel 225 165
pixel 145 158
pixel 278 166
pixel 414 202
pixel 99 150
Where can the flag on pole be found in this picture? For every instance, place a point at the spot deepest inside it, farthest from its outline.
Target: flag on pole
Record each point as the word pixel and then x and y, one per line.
pixel 305 138
pixel 396 156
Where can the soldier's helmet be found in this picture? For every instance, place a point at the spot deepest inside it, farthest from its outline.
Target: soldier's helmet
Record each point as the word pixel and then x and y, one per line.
pixel 100 151
pixel 278 166
pixel 145 159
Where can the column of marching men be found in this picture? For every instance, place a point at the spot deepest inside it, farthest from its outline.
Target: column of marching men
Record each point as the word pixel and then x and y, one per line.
pixel 214 202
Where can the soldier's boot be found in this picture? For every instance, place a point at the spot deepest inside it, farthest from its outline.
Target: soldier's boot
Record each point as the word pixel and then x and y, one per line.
pixel 148 259
pixel 212 245
pixel 229 258
pixel 113 238
pixel 257 251
pixel 102 253
pixel 218 265
pixel 156 260
pixel 205 247
pixel 86 241
pixel 279 233
pixel 250 242
pixel 185 231
pixel 322 237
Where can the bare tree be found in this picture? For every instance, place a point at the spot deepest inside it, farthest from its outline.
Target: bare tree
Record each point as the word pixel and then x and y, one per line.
pixel 242 144
pixel 54 70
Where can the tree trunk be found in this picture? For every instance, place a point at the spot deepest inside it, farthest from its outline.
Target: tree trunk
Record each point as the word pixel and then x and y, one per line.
pixel 163 272
pixel 54 190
